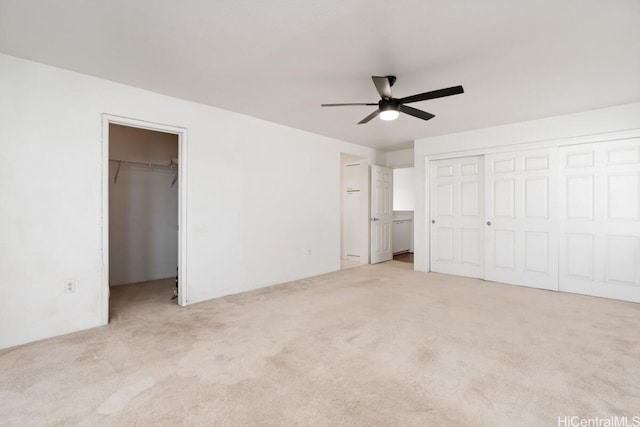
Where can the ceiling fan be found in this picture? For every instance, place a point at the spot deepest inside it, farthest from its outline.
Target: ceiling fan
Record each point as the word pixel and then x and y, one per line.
pixel 389 108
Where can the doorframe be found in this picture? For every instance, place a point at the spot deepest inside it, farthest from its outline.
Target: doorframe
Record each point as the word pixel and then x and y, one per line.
pixel 108 119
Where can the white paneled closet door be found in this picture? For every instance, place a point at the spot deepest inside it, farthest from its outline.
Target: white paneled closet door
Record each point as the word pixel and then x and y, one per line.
pixel 457 203
pixel 355 217
pixel 600 225
pixel 521 218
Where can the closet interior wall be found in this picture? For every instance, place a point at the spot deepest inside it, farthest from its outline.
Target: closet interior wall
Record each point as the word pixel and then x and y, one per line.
pixel 143 205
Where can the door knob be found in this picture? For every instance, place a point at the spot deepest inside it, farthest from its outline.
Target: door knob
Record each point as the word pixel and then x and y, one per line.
pixel 374 219
pixel 488 222
pixel 433 221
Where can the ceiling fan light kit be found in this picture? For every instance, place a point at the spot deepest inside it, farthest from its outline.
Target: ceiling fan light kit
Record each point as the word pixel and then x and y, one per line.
pixel 389 108
pixel 388 111
pixel 389 115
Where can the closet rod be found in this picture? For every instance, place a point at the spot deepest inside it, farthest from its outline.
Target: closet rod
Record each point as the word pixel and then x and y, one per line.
pixel 151 165
pixel 170 166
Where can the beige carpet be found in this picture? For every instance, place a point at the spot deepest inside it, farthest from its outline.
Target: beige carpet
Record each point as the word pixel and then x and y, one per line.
pixel 371 345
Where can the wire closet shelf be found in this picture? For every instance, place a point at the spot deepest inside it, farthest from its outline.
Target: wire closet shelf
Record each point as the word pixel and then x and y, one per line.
pixel 171 166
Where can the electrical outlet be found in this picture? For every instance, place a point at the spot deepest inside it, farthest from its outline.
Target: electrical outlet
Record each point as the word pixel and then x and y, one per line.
pixel 69 286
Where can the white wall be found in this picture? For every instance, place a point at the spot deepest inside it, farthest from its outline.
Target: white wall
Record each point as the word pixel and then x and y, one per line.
pixel 263 199
pixel 143 225
pixel 143 206
pixel 399 158
pixel 553 130
pixel 403 189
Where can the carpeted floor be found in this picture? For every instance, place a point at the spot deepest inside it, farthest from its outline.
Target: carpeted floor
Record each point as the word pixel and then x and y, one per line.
pixel 371 345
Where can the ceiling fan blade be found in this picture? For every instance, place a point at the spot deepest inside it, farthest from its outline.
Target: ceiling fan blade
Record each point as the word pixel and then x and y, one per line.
pixel 455 90
pixel 415 112
pixel 369 117
pixel 342 105
pixel 383 86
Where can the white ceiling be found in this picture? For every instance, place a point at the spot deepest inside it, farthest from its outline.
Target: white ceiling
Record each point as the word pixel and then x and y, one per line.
pixel 280 59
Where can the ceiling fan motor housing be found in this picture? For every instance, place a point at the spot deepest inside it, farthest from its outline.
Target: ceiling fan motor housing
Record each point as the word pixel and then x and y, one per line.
pixel 388 109
pixel 387 105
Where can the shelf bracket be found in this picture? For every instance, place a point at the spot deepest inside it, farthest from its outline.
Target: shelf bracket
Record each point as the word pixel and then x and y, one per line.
pixel 175 178
pixel 115 178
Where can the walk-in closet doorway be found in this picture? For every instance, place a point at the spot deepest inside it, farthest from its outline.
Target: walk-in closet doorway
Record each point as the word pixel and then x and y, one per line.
pixel 144 196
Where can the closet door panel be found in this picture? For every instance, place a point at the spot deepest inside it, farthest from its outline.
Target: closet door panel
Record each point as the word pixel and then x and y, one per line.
pixel 600 224
pixel 352 229
pixel 521 218
pixel 456 210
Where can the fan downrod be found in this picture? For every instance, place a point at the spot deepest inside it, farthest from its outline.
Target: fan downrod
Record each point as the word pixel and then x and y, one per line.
pixel 392 80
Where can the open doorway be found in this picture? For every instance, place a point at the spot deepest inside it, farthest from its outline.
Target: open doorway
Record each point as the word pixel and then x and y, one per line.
pixel 143 215
pixel 403 208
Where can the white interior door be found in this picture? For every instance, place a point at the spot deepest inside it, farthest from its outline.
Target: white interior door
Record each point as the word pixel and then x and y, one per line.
pixel 457 212
pixel 600 223
pixel 352 230
pixel 521 218
pixel 381 214
pixel 355 208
